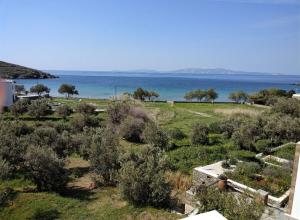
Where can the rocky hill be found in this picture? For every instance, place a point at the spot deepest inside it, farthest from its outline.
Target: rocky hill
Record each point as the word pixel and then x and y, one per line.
pixel 13 71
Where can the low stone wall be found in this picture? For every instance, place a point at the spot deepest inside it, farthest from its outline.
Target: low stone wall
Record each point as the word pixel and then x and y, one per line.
pixel 203 178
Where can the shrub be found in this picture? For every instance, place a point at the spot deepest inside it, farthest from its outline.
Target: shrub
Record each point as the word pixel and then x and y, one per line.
pixel 39 108
pixel 138 112
pixel 153 135
pixel 287 106
pixel 246 136
pixel 117 112
pixel 247 168
pixel 104 156
pixel 79 121
pixel 228 204
pixel 263 146
pixel 132 129
pixel 85 108
pixel 176 134
pixel 142 178
pixel 64 111
pixel 45 169
pixel 200 134
pixel 13 143
pixel 6 169
pixel 19 107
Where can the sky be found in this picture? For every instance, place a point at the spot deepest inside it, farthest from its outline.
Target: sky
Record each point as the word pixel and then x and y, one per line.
pixel 249 35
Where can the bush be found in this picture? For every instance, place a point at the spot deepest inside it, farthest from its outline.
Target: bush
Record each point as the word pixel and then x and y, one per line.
pixel 142 178
pixel 246 136
pixel 79 121
pixel 231 206
pixel 104 157
pixel 138 112
pixel 19 107
pixel 45 169
pixel 13 143
pixel 132 129
pixel 117 112
pixel 153 135
pixel 263 146
pixel 176 134
pixel 85 108
pixel 6 169
pixel 247 168
pixel 64 111
pixel 200 134
pixel 287 106
pixel 39 108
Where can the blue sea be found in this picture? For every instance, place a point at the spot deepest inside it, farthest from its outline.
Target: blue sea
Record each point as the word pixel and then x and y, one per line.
pixel 170 86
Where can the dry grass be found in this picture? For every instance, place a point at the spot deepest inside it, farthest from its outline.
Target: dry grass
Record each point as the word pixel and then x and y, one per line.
pixel 180 184
pixel 234 111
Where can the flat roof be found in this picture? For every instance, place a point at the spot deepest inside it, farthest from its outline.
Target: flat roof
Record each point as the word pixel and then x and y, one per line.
pixel 211 215
pixel 214 169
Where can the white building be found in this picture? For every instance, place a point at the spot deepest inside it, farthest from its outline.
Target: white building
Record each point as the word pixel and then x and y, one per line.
pixel 296 96
pixel 9 88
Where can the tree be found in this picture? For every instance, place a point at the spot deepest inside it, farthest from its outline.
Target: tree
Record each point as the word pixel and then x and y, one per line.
pixel 68 89
pixel 151 94
pixel 288 106
pixel 155 136
pixel 85 108
pixel 199 134
pixel 211 95
pixel 39 108
pixel 104 156
pixel 140 94
pixel 39 89
pixel 45 169
pixel 132 129
pixel 117 112
pixel 13 142
pixel 19 89
pixel 239 97
pixel 142 178
pixel 64 111
pixel 19 107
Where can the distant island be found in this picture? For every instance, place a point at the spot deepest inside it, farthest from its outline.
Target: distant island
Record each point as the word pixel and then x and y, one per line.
pixel 13 71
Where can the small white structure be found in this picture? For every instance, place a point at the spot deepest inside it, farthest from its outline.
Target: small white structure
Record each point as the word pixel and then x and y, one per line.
pixel 296 96
pixel 212 215
pixel 9 88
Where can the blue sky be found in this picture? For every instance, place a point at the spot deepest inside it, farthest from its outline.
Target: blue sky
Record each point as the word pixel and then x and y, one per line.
pixel 250 35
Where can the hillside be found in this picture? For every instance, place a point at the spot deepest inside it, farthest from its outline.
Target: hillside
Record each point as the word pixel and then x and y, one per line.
pixel 13 71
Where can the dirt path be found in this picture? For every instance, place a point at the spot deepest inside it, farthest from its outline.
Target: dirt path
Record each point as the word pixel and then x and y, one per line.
pixel 80 169
pixel 198 113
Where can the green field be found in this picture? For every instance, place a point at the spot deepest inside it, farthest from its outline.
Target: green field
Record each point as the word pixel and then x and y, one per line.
pixel 107 203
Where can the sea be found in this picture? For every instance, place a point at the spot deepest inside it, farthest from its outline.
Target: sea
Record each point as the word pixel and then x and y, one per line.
pixel 170 86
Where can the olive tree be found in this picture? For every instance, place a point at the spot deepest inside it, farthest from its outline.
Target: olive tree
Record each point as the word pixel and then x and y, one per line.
pixel 68 89
pixel 85 108
pixel 40 89
pixel 39 108
pixel 142 178
pixel 19 107
pixel 64 111
pixel 200 134
pixel 45 169
pixel 155 136
pixel 104 156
